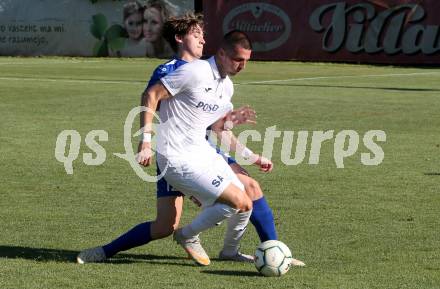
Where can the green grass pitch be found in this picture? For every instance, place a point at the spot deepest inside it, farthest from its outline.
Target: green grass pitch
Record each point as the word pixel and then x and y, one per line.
pixel 356 227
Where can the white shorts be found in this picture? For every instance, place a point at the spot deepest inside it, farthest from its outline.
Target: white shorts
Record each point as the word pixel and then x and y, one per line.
pixel 204 177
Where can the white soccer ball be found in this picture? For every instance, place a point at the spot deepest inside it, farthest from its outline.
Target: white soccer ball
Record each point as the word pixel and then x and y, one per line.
pixel 273 258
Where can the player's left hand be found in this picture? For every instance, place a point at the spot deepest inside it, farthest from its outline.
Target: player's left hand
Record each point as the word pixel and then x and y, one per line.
pixel 243 115
pixel 265 164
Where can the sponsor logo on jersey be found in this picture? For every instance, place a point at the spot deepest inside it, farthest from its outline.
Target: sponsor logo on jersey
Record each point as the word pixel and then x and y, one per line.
pixel 207 106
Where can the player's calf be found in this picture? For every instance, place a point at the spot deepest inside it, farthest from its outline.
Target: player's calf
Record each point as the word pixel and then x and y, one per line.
pixel 160 231
pixel 169 210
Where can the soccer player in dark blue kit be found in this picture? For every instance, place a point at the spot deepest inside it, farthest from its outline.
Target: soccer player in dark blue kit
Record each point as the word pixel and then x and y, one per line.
pixel 185 35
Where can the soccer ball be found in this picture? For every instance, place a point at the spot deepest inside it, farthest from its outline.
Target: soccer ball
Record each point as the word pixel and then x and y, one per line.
pixel 273 258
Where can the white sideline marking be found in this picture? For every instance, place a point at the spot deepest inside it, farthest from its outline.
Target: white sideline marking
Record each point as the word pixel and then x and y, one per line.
pixel 97 81
pixel 50 62
pixel 337 77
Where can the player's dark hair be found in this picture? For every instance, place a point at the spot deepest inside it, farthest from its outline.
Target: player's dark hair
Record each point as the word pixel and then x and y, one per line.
pixel 180 26
pixel 236 38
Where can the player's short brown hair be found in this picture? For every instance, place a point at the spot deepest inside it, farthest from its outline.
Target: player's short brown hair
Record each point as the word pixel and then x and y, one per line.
pixel 180 26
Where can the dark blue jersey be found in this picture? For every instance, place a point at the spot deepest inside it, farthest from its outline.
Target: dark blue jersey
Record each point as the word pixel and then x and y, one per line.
pixel 164 69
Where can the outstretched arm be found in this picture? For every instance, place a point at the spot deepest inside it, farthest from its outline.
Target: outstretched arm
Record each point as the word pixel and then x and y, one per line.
pixel 226 137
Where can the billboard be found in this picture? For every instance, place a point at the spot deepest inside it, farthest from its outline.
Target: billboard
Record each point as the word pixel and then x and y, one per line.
pixel 86 27
pixel 373 31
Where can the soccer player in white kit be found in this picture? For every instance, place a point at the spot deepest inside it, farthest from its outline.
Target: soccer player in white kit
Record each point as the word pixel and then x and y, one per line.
pixel 194 97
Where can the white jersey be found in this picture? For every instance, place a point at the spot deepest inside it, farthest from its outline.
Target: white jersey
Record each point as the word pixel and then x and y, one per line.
pixel 199 98
pixel 189 163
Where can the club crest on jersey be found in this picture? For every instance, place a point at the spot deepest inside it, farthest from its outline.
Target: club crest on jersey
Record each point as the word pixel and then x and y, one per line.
pixel 207 107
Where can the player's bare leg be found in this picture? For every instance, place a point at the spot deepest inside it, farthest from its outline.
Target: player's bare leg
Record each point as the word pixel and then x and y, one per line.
pixel 251 186
pixel 169 211
pixel 236 198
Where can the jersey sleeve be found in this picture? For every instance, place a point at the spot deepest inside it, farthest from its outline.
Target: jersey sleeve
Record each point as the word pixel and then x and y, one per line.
pixel 179 80
pixel 158 73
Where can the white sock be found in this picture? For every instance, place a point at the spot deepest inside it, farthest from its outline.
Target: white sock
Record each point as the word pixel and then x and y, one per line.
pixel 208 218
pixel 236 227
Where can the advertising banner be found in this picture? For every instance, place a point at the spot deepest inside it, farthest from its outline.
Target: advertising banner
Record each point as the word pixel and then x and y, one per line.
pixel 370 31
pixel 86 27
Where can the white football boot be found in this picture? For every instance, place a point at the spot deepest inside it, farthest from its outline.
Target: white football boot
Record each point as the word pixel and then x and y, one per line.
pixel 193 247
pixel 238 257
pixel 91 255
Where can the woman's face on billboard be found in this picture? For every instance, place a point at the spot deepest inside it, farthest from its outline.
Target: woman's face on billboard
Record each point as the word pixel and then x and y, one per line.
pixel 152 24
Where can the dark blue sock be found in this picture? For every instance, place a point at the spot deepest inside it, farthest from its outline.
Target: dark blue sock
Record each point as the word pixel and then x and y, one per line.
pixel 137 236
pixel 262 219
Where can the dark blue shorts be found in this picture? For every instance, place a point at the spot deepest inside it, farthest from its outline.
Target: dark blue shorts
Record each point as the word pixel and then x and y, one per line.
pixel 231 160
pixel 164 189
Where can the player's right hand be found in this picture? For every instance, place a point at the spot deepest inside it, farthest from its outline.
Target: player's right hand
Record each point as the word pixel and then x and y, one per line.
pixel 264 164
pixel 145 155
